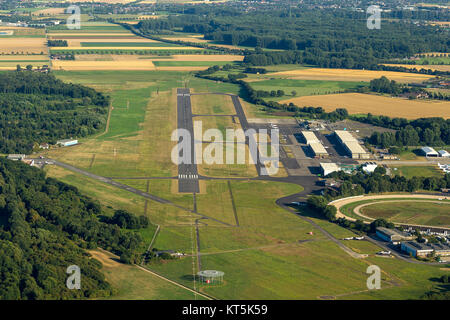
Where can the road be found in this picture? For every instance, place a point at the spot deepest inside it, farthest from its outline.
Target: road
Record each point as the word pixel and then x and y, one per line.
pixel 187 170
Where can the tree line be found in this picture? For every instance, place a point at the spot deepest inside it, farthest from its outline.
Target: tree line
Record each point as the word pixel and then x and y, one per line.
pixel 46 226
pixel 45 109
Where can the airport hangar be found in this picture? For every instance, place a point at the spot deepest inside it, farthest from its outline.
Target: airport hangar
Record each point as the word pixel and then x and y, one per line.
pixel 351 145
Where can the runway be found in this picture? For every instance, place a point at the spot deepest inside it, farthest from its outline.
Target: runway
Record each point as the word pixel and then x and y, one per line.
pixel 187 172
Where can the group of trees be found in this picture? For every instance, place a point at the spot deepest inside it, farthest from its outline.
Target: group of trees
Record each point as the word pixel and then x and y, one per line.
pixel 327 38
pixel 37 107
pixel 424 131
pixel 57 43
pixel 319 204
pixel 377 182
pixel 127 220
pixel 45 225
pixel 383 85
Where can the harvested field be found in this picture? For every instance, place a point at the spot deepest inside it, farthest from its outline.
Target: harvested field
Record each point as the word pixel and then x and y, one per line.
pixel 85 42
pixel 125 48
pixel 349 75
pixel 26 57
pixel 103 65
pixel 23 32
pixel 101 35
pixel 206 57
pixel 358 103
pixel 418 66
pixel 22 45
pixel 49 12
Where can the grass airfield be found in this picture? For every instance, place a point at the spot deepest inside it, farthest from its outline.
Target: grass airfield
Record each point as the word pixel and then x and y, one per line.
pixel 271 255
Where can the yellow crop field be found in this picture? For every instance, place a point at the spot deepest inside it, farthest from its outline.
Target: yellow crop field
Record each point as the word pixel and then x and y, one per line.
pixel 126 48
pixel 358 103
pixel 22 45
pixel 349 75
pixel 48 12
pixel 418 67
pixel 26 57
pixel 206 57
pixel 103 65
pixel 76 42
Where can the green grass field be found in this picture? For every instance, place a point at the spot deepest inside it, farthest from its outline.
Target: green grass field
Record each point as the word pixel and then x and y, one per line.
pixel 403 210
pixel 270 255
pixel 305 87
pixel 418 171
pixel 424 213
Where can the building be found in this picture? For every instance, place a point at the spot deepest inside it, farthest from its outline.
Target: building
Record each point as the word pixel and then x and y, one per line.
pixel 67 142
pixel 393 235
pixel 443 153
pixel 44 146
pixel 351 145
pixel 417 249
pixel 429 152
pixel 315 145
pixel 369 167
pixel 327 168
pixel 16 157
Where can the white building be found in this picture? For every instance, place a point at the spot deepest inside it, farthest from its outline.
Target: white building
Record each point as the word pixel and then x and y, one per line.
pixel 327 168
pixel 67 142
pixel 351 145
pixel 443 153
pixel 316 146
pixel 369 167
pixel 15 157
pixel 429 152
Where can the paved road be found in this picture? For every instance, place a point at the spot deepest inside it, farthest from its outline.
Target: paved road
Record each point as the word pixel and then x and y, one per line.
pixel 187 172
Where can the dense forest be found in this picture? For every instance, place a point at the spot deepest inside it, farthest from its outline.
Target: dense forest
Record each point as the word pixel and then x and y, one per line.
pixel 45 226
pixel 327 38
pixel 37 107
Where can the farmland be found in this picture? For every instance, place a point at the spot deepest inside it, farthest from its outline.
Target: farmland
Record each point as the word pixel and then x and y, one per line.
pixel 305 87
pixel 348 75
pixel 424 66
pixel 357 103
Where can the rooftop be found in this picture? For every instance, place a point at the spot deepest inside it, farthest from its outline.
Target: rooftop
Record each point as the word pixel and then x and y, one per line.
pixel 345 136
pixel 310 137
pixel 318 148
pixel 429 150
pixel 427 246
pixel 329 166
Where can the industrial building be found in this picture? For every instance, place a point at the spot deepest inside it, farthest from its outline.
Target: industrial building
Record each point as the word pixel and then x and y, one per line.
pixel 351 145
pixel 429 152
pixel 316 146
pixel 444 153
pixel 327 168
pixel 67 142
pixel 424 249
pixel 393 235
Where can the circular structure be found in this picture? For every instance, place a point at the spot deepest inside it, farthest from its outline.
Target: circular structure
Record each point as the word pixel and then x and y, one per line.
pixel 420 210
pixel 210 276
